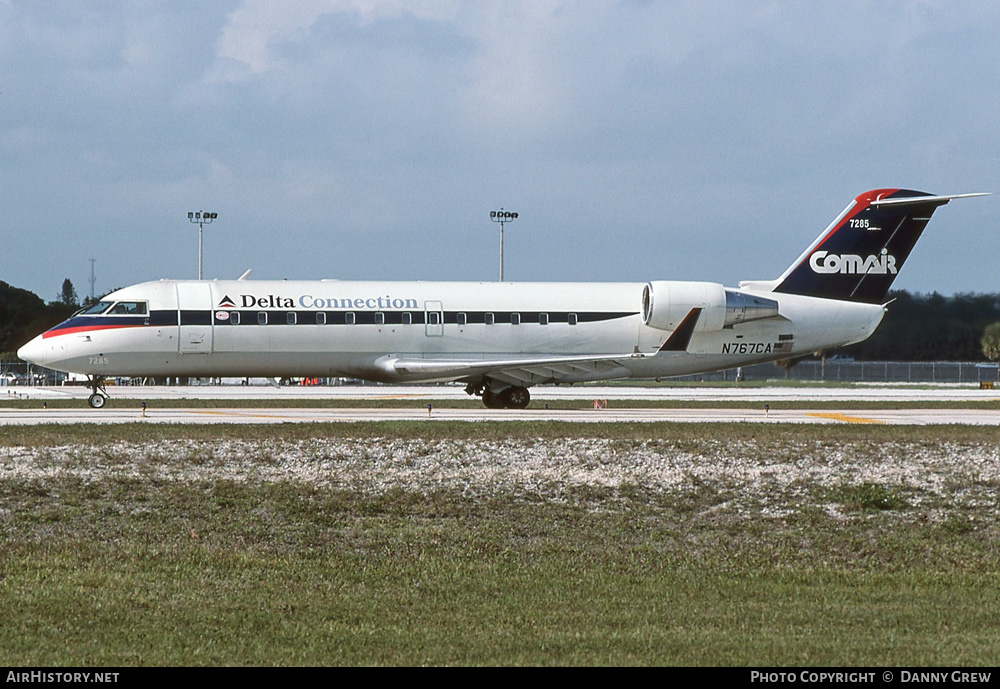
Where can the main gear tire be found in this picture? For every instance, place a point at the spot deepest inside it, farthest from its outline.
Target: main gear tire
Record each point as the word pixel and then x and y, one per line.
pixel 516 398
pixel 492 400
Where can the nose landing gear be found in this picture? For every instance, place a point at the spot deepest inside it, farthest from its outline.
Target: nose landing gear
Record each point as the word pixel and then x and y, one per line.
pixel 100 396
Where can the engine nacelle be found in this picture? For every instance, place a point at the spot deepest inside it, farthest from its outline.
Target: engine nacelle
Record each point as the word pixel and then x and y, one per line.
pixel 742 307
pixel 665 304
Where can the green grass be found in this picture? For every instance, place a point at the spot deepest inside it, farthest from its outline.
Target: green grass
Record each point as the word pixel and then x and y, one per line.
pixel 112 570
pixel 869 496
pixel 629 432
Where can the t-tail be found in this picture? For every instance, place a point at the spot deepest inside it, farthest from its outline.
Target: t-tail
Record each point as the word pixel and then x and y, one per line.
pixel 858 256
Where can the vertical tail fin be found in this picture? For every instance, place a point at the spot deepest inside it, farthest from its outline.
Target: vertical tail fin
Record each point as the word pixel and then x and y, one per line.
pixel 858 255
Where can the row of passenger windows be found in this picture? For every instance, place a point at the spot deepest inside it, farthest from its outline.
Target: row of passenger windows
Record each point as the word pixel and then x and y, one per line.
pixel 405 318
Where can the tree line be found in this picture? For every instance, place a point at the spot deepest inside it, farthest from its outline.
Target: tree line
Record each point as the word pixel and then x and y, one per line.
pixel 930 327
pixel 917 327
pixel 24 314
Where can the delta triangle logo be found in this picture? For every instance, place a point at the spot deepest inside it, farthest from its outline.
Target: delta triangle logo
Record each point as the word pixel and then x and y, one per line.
pixel 227 303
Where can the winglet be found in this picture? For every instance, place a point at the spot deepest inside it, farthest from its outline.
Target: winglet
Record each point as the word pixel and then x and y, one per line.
pixel 681 337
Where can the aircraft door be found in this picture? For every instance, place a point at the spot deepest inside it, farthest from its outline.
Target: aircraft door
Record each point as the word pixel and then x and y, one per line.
pixel 433 319
pixel 194 310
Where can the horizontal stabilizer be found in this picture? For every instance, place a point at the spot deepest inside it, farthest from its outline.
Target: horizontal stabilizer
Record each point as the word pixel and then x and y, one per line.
pixel 936 200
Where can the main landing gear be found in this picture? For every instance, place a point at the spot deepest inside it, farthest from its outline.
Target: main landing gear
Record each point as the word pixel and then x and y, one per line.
pixel 514 397
pixel 100 396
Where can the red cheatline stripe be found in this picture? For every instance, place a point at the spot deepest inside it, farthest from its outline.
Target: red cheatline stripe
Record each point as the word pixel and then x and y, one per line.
pixel 84 329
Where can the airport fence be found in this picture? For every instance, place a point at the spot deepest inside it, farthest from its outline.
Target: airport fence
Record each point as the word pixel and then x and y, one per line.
pixel 864 372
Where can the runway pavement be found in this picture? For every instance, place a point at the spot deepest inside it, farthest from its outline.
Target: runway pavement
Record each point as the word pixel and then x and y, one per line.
pixel 299 415
pixel 537 412
pixel 854 393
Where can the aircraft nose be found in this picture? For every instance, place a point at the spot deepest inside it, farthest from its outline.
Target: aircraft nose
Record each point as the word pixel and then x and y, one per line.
pixel 37 352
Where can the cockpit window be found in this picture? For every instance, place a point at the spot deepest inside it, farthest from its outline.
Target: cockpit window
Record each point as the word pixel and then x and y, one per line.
pixel 129 308
pixel 99 307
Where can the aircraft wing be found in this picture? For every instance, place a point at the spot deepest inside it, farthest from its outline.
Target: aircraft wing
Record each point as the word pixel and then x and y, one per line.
pixel 537 370
pixel 522 372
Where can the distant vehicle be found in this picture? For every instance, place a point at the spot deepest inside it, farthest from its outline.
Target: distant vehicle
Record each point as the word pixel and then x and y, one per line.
pixel 499 338
pixel 9 378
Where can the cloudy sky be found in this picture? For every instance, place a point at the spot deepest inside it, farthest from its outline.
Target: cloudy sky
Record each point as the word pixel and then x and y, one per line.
pixel 361 139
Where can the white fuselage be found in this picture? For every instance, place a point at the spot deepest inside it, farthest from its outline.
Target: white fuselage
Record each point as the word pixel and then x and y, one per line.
pixel 365 329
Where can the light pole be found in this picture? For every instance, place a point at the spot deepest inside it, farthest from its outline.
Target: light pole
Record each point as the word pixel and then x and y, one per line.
pixel 501 216
pixel 201 218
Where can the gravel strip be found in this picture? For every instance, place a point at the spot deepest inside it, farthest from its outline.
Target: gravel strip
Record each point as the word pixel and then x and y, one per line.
pixel 757 477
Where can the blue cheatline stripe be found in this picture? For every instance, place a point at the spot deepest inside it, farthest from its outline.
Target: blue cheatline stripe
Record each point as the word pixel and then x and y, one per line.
pixel 171 317
pixel 196 317
pixel 80 324
pixel 249 317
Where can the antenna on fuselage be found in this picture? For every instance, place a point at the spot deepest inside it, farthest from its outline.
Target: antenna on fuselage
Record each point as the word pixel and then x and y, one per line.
pixel 245 275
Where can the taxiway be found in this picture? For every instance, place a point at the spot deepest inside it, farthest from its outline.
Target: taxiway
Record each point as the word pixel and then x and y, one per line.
pixel 146 410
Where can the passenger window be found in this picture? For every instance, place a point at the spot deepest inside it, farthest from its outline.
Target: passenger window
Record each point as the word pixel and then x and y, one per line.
pixel 262 318
pixel 543 319
pixel 321 318
pixel 234 317
pixel 407 318
pixel 571 318
pixel 349 318
pixel 290 317
pixel 515 319
pixel 461 318
pixel 488 318
pixel 433 318
pixel 379 318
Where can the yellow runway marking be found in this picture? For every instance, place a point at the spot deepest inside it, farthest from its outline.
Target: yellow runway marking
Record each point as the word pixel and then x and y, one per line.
pixel 242 414
pixel 845 418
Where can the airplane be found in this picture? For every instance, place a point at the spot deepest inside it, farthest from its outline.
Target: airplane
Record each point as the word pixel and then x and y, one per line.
pixel 499 338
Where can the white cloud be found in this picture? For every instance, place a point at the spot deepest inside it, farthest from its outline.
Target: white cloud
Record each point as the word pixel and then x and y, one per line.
pixel 609 125
pixel 254 30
